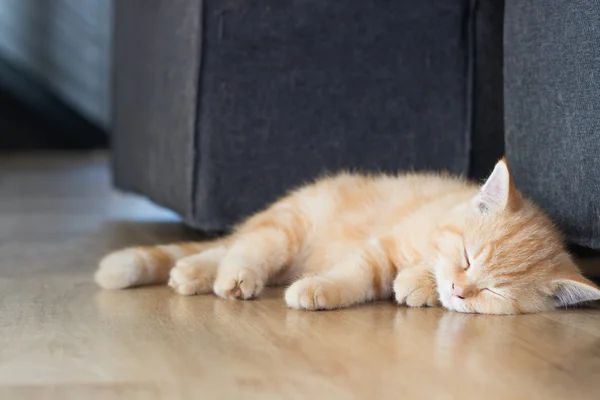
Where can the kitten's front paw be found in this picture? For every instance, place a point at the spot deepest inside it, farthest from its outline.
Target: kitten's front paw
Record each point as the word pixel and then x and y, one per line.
pixel 313 294
pixel 192 276
pixel 415 291
pixel 238 283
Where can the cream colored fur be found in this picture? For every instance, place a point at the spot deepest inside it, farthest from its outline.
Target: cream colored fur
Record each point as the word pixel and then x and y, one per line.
pixel 423 239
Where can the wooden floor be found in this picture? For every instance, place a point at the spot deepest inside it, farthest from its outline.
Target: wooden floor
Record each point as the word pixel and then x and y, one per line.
pixel 62 338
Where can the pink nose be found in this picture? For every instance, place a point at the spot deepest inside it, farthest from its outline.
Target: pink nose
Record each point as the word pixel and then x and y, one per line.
pixel 458 291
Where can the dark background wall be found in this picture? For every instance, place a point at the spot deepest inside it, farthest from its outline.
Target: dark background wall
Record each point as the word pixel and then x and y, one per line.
pixel 55 67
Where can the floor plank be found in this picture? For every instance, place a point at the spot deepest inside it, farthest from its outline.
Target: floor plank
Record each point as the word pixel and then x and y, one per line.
pixel 61 337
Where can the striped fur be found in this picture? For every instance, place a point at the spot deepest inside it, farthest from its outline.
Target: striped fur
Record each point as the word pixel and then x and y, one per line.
pixel 423 239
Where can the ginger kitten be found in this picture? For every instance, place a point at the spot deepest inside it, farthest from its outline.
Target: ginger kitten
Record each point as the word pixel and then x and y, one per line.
pixel 425 239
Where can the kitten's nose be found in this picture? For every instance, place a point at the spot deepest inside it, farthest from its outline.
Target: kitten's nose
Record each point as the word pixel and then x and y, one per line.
pixel 459 291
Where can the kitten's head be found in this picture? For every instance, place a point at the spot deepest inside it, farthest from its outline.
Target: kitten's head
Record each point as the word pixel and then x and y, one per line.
pixel 505 256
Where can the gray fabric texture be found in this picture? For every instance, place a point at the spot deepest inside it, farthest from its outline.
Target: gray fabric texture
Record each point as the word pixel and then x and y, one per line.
pixel 552 64
pixel 154 96
pixel 292 90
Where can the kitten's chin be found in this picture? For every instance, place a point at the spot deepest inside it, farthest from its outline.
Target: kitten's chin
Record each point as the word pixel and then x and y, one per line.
pixel 454 304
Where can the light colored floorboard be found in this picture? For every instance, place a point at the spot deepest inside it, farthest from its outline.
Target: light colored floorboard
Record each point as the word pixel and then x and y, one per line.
pixel 62 338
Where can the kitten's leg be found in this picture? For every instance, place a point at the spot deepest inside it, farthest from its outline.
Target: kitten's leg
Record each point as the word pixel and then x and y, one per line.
pixel 144 265
pixel 416 287
pixel 196 274
pixel 363 276
pixel 260 249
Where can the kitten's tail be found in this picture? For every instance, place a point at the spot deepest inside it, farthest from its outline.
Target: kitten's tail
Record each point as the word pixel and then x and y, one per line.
pixel 144 265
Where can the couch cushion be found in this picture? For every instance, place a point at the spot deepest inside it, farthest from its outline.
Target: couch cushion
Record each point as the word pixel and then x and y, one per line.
pixel 155 89
pixel 552 119
pixel 291 90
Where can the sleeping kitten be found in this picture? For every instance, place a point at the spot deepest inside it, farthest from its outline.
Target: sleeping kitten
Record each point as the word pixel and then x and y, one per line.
pixel 424 239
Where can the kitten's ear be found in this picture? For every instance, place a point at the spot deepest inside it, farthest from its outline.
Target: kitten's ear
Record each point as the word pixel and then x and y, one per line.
pixel 498 192
pixel 574 290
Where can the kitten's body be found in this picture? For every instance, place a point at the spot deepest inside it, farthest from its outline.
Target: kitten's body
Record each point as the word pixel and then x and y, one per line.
pixel 349 239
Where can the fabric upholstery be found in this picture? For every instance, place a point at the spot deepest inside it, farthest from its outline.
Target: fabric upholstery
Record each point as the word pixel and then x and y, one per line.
pixel 155 89
pixel 552 50
pixel 292 90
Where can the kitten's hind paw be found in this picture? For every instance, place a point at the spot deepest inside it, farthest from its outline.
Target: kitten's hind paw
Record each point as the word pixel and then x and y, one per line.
pixel 121 269
pixel 239 283
pixel 193 275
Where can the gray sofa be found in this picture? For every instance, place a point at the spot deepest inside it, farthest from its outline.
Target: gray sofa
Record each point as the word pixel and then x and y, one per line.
pixel 221 106
pixel 552 93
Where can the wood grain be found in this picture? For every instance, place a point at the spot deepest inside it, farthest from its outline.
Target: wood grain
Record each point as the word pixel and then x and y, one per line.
pixel 62 338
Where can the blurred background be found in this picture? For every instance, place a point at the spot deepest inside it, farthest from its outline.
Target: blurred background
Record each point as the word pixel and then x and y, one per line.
pixel 55 68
